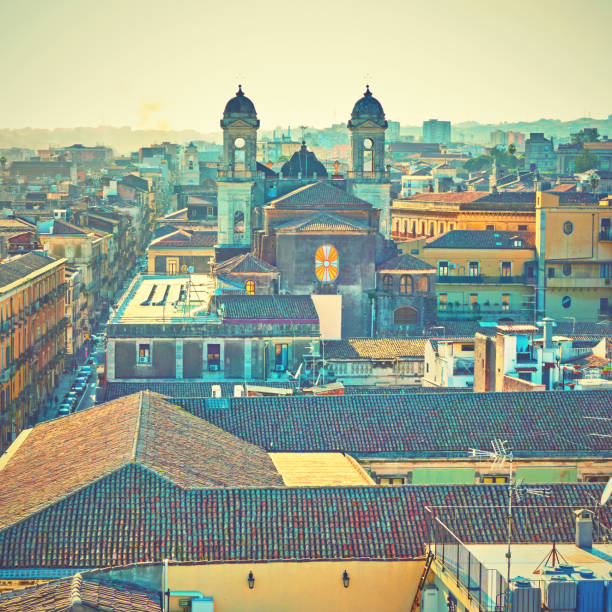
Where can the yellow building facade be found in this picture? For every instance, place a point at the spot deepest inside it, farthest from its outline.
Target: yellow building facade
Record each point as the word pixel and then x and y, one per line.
pixel 483 273
pixel 574 247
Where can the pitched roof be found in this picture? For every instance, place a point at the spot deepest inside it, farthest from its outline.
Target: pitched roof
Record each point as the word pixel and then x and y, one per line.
pixel 374 348
pixel 63 228
pixel 278 308
pixel 142 429
pixel 419 424
pixel 245 263
pixel 405 262
pixel 304 163
pixel 450 197
pixel 322 222
pixel 135 515
pixel 20 266
pixel 71 593
pixel 480 239
pixel 188 239
pixel 131 180
pixel 320 194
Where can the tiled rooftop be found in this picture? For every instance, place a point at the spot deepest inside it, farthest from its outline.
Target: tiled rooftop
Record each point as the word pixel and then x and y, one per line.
pixel 405 262
pixel 135 515
pixel 142 429
pixel 374 348
pixel 71 593
pixel 186 239
pixel 20 266
pixel 481 239
pixel 246 263
pixel 319 194
pixel 276 308
pixel 547 423
pixel 322 222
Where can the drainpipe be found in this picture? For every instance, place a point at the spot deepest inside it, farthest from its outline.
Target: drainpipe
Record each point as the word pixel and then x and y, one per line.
pixel 165 589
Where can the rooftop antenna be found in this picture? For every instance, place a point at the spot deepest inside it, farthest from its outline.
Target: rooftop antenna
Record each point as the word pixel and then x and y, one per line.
pixel 500 455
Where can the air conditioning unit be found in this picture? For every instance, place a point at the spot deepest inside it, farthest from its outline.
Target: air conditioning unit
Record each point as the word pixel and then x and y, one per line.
pixel 452 266
pixel 202 604
pixel 213 367
pixel 216 391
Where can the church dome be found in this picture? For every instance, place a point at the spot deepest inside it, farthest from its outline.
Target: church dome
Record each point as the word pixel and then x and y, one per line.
pixel 304 163
pixel 240 105
pixel 367 108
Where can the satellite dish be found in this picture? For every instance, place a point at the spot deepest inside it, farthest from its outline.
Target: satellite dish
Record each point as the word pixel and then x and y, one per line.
pixel 605 496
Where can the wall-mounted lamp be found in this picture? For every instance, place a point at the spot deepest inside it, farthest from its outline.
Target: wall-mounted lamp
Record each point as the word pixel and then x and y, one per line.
pixel 251 580
pixel 346 579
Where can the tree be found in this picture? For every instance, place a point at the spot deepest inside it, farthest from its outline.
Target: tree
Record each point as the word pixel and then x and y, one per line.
pixel 587 160
pixel 585 135
pixel 511 149
pixel 3 162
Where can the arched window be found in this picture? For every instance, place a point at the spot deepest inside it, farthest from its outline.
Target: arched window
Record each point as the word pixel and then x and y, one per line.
pixel 423 228
pixel 387 281
pixel 250 287
pixel 423 284
pixel 413 229
pixel 405 316
pixel 441 228
pixel 190 165
pixel 431 229
pixel 405 283
pixel 405 227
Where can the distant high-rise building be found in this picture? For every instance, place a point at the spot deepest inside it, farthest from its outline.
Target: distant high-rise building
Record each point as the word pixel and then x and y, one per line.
pixel 540 152
pixel 437 131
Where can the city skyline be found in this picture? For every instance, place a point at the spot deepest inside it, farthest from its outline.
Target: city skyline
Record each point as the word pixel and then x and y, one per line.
pixel 124 65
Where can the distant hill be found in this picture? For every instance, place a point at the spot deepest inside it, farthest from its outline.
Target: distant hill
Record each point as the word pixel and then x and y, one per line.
pixel 121 139
pixel 125 139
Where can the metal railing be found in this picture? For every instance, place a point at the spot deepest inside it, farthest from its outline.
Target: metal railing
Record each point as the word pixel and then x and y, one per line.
pixel 480 279
pixel 485 587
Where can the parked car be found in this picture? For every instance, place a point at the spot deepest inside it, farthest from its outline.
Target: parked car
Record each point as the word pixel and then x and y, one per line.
pixel 64 410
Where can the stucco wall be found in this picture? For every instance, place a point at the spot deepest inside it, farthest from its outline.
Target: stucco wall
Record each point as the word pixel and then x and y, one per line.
pixel 296 587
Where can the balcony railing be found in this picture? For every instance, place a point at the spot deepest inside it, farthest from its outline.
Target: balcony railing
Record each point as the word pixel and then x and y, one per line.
pixel 368 175
pixel 480 279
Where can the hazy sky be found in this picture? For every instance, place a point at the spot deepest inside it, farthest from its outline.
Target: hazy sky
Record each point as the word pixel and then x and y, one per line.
pixel 174 63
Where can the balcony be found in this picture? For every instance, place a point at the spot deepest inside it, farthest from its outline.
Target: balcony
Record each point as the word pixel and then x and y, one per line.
pixel 466 312
pixel 368 176
pixel 578 281
pixel 480 279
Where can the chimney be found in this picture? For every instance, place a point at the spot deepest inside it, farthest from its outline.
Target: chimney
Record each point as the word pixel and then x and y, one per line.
pixel 584 529
pixel 548 331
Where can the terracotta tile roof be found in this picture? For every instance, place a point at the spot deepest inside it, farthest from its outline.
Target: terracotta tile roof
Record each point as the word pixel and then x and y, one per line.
pixel 374 348
pixel 406 263
pixel 320 194
pixel 187 239
pixel 246 263
pixel 450 197
pixel 63 228
pixel 142 429
pixel 21 265
pixel 71 593
pixel 418 424
pixel 598 145
pixel 278 308
pixel 175 389
pixel 481 239
pixel 135 515
pixel 322 222
pixel 563 187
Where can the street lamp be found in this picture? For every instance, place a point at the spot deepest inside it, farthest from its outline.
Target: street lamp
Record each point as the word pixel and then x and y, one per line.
pixel 251 580
pixel 346 579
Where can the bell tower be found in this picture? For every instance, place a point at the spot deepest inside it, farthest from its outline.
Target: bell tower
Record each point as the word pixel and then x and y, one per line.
pixel 236 177
pixel 368 175
pixel 190 167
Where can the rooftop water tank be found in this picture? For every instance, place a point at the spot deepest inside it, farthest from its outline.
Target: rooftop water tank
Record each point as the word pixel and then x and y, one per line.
pixel 524 597
pixel 590 591
pixel 560 593
pixel 429 599
pixel 202 604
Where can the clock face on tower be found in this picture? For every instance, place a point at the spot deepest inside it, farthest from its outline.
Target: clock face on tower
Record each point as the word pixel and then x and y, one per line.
pixel 326 263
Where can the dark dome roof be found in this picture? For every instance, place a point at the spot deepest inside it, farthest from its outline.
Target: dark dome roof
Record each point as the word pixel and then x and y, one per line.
pixel 368 107
pixel 304 163
pixel 240 105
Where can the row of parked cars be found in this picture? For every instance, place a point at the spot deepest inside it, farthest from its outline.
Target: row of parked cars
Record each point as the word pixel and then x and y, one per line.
pixel 72 398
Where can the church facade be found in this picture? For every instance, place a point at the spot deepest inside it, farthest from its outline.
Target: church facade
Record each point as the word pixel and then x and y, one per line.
pixel 324 235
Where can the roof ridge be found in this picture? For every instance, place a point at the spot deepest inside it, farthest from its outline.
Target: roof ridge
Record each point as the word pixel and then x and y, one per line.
pixel 138 422
pixel 75 590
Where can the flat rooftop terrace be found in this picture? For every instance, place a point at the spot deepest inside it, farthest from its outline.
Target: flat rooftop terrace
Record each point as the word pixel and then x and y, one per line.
pixel 166 299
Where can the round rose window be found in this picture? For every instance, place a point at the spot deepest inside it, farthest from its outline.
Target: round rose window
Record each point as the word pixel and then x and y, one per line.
pixel 326 263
